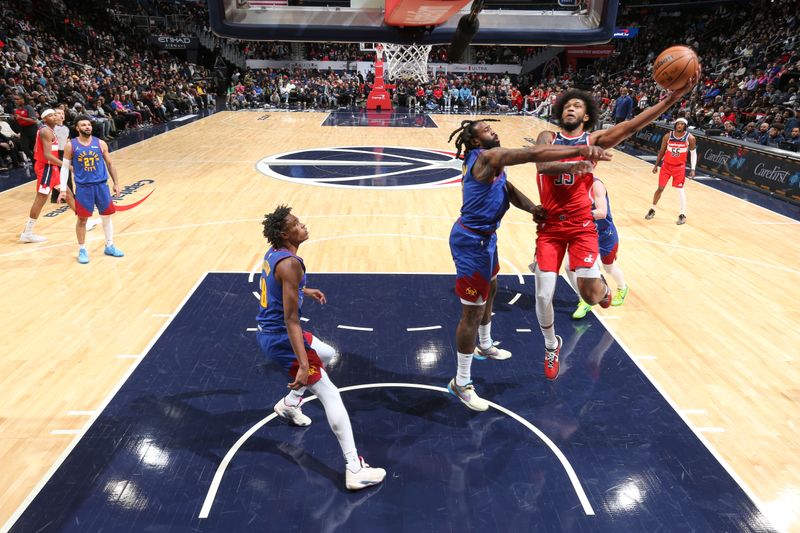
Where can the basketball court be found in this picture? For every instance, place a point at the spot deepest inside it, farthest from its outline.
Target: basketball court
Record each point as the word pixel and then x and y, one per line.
pixel 135 394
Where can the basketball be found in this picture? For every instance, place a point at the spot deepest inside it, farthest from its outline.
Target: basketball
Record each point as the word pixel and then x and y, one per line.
pixel 674 66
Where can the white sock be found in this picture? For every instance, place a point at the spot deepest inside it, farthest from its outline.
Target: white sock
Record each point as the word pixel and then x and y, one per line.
pixel 463 374
pixel 294 397
pixel 29 226
pixel 654 207
pixel 616 273
pixel 108 229
pixel 485 335
pixel 682 197
pixel 545 288
pixel 351 461
pixel 82 247
pixel 338 419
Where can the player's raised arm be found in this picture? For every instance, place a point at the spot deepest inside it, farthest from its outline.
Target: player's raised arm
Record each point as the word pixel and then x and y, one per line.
pixel 613 136
pixel 491 162
pixel 555 167
pixel 290 273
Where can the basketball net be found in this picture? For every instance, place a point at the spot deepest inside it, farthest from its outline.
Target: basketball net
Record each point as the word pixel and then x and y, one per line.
pixel 405 61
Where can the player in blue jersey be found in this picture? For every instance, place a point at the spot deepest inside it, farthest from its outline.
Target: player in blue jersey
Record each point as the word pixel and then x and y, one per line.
pixel 608 243
pixel 91 164
pixel 487 196
pixel 303 356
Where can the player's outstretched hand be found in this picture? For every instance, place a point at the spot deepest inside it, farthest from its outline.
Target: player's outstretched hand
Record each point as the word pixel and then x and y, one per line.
pixel 655 169
pixel 595 153
pixel 300 380
pixel 317 294
pixel 539 214
pixel 677 94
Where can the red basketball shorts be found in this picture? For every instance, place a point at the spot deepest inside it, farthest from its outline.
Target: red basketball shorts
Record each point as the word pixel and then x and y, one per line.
pixel 676 172
pixel 554 238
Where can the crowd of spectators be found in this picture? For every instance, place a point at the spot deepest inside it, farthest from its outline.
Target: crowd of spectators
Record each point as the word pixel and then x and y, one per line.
pixel 85 66
pixel 751 59
pixel 748 88
pixel 89 64
pixel 319 90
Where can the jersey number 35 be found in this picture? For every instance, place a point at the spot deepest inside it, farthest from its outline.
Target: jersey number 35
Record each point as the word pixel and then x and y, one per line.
pixel 564 179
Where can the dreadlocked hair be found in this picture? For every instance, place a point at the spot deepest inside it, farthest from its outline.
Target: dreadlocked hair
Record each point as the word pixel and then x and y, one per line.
pixel 273 225
pixel 592 109
pixel 465 135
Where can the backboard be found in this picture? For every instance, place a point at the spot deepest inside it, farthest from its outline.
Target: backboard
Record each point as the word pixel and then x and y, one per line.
pixel 511 22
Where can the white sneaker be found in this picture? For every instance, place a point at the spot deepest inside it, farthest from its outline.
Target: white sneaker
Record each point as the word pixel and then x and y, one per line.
pixel 292 414
pixel 92 223
pixel 30 237
pixel 468 396
pixel 492 352
pixel 366 477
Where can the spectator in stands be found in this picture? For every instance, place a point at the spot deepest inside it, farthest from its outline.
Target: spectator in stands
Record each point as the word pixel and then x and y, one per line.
pixel 762 137
pixel 750 132
pixel 730 131
pixel 10 155
pixel 642 102
pixel 790 119
pixel 438 96
pixel 775 135
pixel 794 138
pixel 26 120
pixel 101 126
pixel 465 97
pixel 623 108
pixel 454 95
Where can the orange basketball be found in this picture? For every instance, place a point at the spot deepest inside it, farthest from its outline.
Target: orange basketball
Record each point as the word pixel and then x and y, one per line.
pixel 674 66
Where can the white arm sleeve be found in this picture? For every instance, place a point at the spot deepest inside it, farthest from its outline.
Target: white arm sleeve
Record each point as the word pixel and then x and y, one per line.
pixel 64 177
pixel 693 158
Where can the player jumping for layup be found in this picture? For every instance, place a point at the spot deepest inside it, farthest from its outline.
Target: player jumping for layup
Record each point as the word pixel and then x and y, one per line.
pixel 473 239
pixel 564 191
pixel 674 149
pixel 283 286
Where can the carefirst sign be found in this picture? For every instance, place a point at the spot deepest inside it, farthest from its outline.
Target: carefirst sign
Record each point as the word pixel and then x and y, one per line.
pixel 168 42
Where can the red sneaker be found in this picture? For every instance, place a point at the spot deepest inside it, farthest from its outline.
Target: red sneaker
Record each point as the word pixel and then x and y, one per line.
pixel 551 360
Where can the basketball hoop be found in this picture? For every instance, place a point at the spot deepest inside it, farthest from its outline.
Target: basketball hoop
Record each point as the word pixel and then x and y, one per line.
pixel 405 61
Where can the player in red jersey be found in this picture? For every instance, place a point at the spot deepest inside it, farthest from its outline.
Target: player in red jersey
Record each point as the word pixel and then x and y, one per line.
pixel 564 192
pixel 674 149
pixel 46 166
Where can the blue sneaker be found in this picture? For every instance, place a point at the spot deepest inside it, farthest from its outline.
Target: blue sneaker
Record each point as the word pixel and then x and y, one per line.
pixel 83 257
pixel 113 251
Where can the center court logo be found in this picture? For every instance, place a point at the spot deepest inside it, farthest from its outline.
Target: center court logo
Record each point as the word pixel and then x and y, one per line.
pixel 391 167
